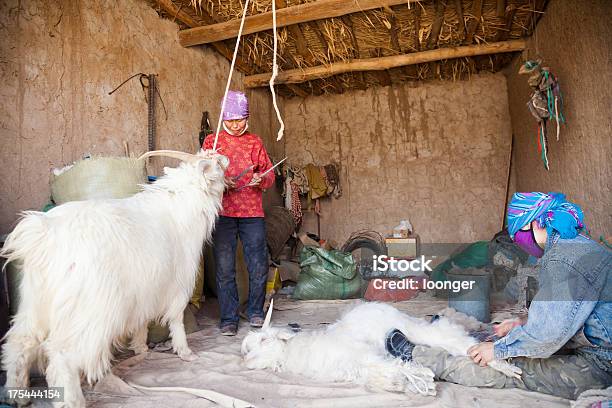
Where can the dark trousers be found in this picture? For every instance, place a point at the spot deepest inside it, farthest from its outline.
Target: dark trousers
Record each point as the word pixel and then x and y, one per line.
pixel 252 232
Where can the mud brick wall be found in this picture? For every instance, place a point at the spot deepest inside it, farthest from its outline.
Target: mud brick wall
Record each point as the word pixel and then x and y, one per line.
pixel 58 62
pixel 435 152
pixel 574 38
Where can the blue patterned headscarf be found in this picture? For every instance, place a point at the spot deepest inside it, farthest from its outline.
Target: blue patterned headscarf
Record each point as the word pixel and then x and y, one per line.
pixel 551 211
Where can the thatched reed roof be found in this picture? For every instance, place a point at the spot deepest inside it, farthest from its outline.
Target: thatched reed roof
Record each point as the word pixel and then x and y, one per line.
pixel 379 32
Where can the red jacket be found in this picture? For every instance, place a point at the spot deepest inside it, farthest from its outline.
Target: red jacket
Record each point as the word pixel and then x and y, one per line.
pixel 243 151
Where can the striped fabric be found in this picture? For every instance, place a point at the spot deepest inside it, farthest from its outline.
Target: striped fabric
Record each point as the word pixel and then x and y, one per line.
pixel 551 210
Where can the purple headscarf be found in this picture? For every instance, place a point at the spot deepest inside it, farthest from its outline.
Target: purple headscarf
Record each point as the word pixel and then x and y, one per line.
pixel 236 106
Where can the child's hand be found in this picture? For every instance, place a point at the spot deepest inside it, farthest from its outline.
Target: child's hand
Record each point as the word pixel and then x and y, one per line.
pixel 256 180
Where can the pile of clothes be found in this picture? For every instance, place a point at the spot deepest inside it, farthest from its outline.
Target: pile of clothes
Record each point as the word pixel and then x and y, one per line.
pixel 313 181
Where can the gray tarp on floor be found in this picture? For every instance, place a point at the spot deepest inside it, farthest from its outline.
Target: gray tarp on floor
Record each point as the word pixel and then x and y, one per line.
pixel 220 369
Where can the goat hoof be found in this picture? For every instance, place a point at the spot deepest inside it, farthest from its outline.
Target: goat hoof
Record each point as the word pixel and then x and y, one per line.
pixel 190 356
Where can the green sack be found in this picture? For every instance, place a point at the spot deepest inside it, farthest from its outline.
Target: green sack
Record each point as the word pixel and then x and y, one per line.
pixel 476 255
pixel 327 275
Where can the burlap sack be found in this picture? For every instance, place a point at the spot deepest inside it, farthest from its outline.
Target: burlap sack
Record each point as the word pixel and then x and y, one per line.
pixel 101 177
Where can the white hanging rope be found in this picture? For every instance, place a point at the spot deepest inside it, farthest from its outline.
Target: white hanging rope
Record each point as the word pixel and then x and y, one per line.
pixel 275 73
pixel 229 79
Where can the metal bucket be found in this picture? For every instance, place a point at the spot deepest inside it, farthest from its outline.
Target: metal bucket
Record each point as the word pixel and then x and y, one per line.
pixel 474 302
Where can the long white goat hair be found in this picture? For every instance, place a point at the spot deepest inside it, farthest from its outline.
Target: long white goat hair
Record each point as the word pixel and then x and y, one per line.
pixel 94 271
pixel 353 349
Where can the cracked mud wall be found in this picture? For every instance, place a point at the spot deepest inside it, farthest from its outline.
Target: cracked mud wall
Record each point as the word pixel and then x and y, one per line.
pixel 436 152
pixel 59 60
pixel 263 122
pixel 574 38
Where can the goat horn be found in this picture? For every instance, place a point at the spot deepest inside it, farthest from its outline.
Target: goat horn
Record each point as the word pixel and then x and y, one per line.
pixel 169 153
pixel 268 316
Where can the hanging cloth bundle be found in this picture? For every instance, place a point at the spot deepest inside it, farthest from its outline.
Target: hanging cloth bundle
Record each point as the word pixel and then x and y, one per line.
pixel 545 103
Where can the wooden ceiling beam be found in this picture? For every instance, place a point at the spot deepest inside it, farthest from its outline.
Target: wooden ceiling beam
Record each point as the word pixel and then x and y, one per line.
pixel 383 76
pixel 358 78
pixel 432 41
pixel 417 28
pixel 459 10
pixel 394 32
pixel 301 44
pixel 383 63
pixel 503 33
pixel 300 13
pixel 477 13
pixel 501 8
pixel 169 7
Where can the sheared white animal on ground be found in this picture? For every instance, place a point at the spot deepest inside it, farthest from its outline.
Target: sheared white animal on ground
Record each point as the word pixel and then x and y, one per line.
pixel 94 271
pixel 353 349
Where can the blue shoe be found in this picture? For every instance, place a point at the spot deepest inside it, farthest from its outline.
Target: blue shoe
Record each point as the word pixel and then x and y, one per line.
pixel 398 345
pixel 486 334
pixel 256 321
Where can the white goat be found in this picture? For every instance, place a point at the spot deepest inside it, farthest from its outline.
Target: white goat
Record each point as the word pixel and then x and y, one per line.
pixel 94 271
pixel 353 349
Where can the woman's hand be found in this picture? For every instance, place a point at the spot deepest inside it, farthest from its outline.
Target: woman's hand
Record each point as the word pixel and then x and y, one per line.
pixel 256 180
pixel 504 327
pixel 230 183
pixel 482 353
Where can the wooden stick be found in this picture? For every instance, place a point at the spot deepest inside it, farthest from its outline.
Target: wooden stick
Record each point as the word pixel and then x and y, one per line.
pixel 507 197
pixel 300 13
pixel 261 175
pixel 383 63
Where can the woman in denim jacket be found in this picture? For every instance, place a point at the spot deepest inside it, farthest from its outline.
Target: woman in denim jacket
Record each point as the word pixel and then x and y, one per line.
pixel 573 308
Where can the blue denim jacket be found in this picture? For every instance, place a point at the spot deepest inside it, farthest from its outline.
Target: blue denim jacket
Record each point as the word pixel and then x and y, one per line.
pixel 574 301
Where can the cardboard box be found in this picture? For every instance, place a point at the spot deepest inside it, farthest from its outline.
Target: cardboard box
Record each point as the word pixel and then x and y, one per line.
pixel 403 247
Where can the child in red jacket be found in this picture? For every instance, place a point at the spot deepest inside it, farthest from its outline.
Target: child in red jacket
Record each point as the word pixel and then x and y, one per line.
pixel 242 214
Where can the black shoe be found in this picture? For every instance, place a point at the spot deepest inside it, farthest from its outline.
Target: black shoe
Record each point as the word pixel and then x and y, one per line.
pixel 398 345
pixel 229 329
